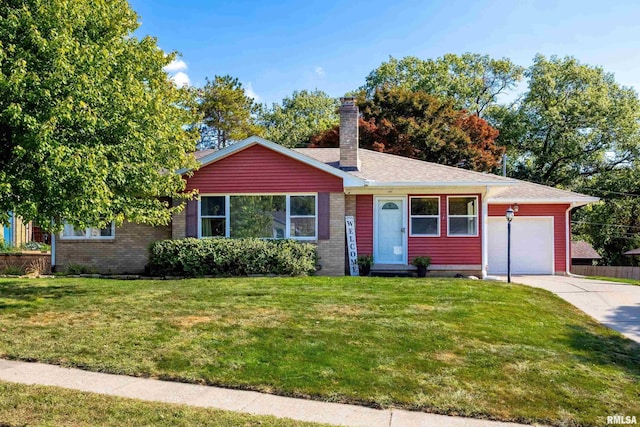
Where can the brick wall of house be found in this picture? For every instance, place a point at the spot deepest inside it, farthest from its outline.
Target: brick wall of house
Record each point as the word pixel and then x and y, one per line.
pixel 350 205
pixel 349 155
pixel 126 254
pixel 179 224
pixel 332 252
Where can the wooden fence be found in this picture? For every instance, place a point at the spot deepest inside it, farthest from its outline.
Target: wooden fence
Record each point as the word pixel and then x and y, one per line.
pixel 607 271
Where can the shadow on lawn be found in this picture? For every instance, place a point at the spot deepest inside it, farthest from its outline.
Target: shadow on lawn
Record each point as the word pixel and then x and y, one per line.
pixel 606 349
pixel 24 293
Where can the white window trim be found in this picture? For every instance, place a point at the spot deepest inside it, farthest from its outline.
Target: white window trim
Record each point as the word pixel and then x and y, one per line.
pixel 476 216
pixel 227 205
pixel 289 216
pixel 225 216
pixel 88 236
pixel 411 233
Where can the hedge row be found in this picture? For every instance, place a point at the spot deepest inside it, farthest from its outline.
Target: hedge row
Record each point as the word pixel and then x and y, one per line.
pixel 231 257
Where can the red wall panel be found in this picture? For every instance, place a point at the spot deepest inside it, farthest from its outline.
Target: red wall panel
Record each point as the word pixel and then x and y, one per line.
pixel 364 224
pixel 258 169
pixel 558 212
pixel 445 250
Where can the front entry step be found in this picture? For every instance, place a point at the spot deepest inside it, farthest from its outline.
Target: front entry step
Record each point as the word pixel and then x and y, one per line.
pixel 393 270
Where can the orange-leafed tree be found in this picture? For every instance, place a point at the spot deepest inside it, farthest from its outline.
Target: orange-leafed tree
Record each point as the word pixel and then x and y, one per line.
pixel 417 125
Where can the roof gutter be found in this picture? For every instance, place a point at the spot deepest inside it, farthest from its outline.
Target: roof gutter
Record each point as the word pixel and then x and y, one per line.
pixel 574 202
pixel 568 238
pixel 370 183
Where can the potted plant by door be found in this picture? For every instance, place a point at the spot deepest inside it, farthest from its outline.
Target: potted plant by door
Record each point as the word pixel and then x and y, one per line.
pixel 364 264
pixel 422 263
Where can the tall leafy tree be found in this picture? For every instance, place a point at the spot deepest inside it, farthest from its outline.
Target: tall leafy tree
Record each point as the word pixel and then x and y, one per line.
pixel 612 226
pixel 472 81
pixel 574 122
pixel 229 113
pixel 417 125
pixel 90 126
pixel 299 117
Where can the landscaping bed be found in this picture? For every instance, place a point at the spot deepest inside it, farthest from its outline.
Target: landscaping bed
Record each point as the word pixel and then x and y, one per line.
pixel 451 346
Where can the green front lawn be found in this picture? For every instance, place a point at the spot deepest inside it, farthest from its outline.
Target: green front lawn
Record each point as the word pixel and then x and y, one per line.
pixel 616 279
pixel 449 346
pixel 26 405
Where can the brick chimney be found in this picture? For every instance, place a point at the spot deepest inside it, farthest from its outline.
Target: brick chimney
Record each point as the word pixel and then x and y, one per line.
pixel 349 158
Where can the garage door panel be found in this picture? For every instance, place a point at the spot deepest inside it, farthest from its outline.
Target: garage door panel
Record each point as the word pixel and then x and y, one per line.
pixel 531 245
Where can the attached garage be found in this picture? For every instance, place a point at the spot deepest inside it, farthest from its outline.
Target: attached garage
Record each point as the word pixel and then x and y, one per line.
pixel 532 245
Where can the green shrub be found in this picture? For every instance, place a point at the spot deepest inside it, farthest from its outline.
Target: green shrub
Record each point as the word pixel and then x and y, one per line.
pixel 5 247
pixel 231 257
pixel 12 270
pixel 75 269
pixel 421 261
pixel 365 261
pixel 35 246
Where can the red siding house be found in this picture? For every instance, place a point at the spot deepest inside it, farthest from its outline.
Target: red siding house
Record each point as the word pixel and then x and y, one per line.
pixel 403 208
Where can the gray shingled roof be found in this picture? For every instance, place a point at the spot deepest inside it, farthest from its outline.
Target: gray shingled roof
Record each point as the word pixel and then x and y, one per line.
pixel 388 168
pixel 583 250
pixel 385 168
pixel 201 153
pixel 528 191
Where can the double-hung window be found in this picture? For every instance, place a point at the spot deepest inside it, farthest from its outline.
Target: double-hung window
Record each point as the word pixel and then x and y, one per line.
pixel 302 217
pixel 213 218
pixel 463 216
pixel 425 216
pixel 274 216
pixel 69 232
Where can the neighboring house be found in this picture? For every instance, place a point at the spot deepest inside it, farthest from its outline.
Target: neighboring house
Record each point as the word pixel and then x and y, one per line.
pixel 633 252
pixel 16 233
pixel 5 231
pixel 582 253
pixel 403 208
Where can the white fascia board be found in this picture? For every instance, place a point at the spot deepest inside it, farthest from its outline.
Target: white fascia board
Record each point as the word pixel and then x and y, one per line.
pixel 440 184
pixel 348 179
pixel 578 202
pixel 426 188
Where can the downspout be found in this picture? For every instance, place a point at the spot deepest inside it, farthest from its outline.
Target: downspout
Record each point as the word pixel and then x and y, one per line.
pixel 12 229
pixel 485 241
pixel 53 251
pixel 568 239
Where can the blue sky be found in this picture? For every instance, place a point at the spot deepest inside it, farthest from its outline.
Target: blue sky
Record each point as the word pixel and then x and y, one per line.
pixel 274 48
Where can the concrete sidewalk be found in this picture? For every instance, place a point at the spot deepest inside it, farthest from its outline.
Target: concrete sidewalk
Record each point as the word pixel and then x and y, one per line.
pixel 227 399
pixel 613 304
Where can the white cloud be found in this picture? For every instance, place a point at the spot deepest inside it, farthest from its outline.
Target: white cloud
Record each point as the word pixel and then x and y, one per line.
pixel 181 79
pixel 248 90
pixel 319 71
pixel 175 65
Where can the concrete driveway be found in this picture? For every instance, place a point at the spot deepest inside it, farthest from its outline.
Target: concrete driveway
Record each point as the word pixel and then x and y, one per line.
pixel 615 305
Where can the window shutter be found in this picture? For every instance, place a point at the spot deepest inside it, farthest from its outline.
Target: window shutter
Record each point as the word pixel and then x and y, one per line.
pixel 324 216
pixel 192 218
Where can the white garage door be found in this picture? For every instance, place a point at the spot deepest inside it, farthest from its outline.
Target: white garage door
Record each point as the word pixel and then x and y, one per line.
pixel 531 245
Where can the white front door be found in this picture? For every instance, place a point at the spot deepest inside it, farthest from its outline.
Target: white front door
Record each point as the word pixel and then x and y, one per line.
pixel 389 235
